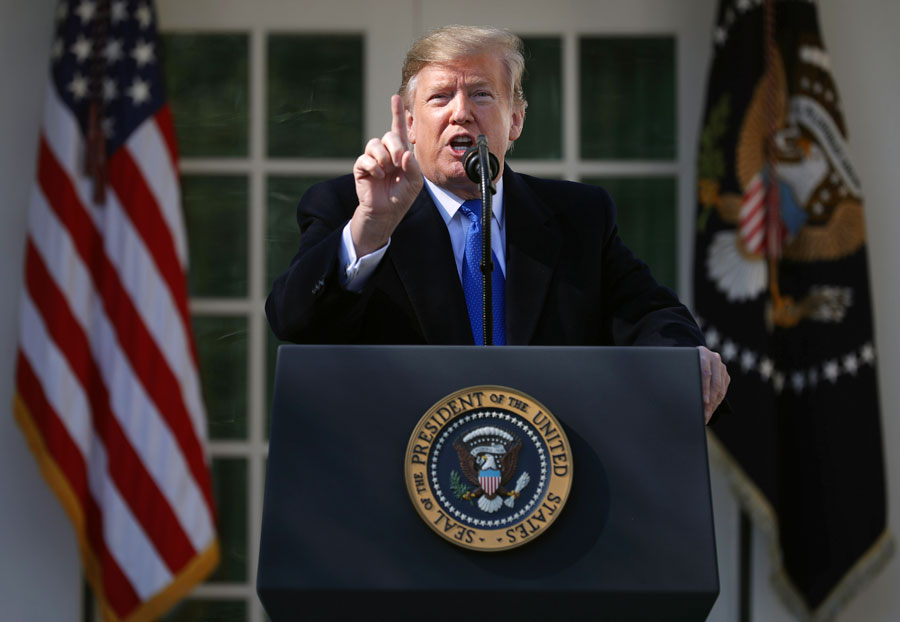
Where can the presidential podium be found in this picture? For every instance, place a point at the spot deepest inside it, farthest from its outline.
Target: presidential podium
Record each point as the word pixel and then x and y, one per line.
pixel 341 538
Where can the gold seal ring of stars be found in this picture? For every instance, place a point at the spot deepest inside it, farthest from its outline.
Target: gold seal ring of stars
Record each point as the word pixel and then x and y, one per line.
pixel 488 468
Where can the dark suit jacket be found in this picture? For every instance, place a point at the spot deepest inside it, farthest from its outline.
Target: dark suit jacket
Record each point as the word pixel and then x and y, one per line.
pixel 569 278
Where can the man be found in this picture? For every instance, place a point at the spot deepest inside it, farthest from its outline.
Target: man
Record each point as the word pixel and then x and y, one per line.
pixel 383 257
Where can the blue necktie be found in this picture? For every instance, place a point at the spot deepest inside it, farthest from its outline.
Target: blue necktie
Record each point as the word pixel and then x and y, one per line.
pixel 471 279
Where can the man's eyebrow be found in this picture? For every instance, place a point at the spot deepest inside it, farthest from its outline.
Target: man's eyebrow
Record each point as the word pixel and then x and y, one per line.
pixel 440 85
pixel 479 81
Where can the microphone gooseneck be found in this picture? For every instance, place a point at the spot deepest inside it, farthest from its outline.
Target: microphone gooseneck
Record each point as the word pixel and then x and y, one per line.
pixel 478 160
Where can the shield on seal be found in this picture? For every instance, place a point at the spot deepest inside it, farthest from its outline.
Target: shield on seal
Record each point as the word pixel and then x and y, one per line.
pixel 489 479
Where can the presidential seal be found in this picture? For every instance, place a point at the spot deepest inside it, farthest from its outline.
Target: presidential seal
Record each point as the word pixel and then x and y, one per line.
pixel 488 468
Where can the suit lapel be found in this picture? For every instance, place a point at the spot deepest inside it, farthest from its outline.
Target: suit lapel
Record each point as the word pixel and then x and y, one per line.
pixel 421 253
pixel 533 245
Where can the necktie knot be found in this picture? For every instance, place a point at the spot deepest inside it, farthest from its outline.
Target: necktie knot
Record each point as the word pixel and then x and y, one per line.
pixel 472 210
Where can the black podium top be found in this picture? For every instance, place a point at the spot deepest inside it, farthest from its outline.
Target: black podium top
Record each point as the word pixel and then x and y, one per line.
pixel 635 540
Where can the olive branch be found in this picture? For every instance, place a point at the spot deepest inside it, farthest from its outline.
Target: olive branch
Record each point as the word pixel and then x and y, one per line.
pixel 459 488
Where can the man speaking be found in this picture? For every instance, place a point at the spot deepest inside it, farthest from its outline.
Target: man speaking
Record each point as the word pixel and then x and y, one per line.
pixel 388 254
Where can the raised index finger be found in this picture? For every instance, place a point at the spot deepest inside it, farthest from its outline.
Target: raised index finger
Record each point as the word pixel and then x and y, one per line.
pixel 398 118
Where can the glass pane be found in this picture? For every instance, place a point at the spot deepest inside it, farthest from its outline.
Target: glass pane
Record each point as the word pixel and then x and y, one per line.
pixel 229 477
pixel 542 137
pixel 222 349
pixel 315 96
pixel 193 610
pixel 628 98
pixel 215 211
pixel 282 234
pixel 272 344
pixel 646 213
pixel 207 82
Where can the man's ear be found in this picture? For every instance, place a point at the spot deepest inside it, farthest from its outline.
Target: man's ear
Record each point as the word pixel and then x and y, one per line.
pixel 410 128
pixel 518 123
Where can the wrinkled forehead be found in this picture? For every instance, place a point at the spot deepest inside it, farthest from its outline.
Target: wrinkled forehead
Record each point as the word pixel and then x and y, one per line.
pixel 481 70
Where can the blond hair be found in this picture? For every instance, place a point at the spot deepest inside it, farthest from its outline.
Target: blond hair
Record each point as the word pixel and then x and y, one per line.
pixel 453 43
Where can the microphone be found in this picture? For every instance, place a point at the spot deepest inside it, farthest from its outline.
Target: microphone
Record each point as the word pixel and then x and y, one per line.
pixel 472 163
pixel 475 159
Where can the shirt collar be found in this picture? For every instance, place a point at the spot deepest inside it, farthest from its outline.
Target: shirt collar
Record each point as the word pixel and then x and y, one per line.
pixel 448 203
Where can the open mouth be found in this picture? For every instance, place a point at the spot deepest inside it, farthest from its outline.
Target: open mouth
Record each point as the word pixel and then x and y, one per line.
pixel 460 144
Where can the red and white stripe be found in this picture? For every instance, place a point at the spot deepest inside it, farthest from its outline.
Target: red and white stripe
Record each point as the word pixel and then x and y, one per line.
pixel 752 217
pixel 760 215
pixel 107 373
pixel 489 483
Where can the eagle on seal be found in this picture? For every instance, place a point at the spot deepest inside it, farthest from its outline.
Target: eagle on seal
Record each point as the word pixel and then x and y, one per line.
pixel 487 458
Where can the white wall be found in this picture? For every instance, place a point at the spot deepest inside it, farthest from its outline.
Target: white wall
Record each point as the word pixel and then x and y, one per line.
pixel 39 576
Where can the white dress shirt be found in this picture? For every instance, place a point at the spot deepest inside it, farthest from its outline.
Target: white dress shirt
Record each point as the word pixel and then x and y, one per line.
pixel 357 270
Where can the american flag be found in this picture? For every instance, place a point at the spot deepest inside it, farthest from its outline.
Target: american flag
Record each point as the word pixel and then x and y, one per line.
pixel 107 388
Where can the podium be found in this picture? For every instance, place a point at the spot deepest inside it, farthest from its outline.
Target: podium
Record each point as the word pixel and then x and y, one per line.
pixel 340 536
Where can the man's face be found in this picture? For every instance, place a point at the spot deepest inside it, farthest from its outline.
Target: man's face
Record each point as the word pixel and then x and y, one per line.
pixel 452 104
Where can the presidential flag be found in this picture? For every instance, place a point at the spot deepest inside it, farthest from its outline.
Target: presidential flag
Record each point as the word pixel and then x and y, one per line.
pixel 782 289
pixel 107 389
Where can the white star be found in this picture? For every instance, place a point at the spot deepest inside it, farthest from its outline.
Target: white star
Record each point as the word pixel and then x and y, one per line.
pixel 748 360
pixel 108 125
pixel 817 87
pixel 110 90
pixel 825 194
pixel 743 5
pixel 143 53
pixel 830 370
pixel 850 364
pixel 81 48
pixel 139 91
pixel 867 353
pixel 720 35
pixel 113 51
pixel 766 368
pixel 778 381
pixel 118 12
pixel 62 11
pixel 798 381
pixel 143 16
pixel 58 49
pixel 78 86
pixel 804 82
pixel 86 11
pixel 729 350
pixel 712 338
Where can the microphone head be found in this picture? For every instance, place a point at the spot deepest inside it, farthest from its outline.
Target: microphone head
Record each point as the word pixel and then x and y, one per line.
pixel 472 163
